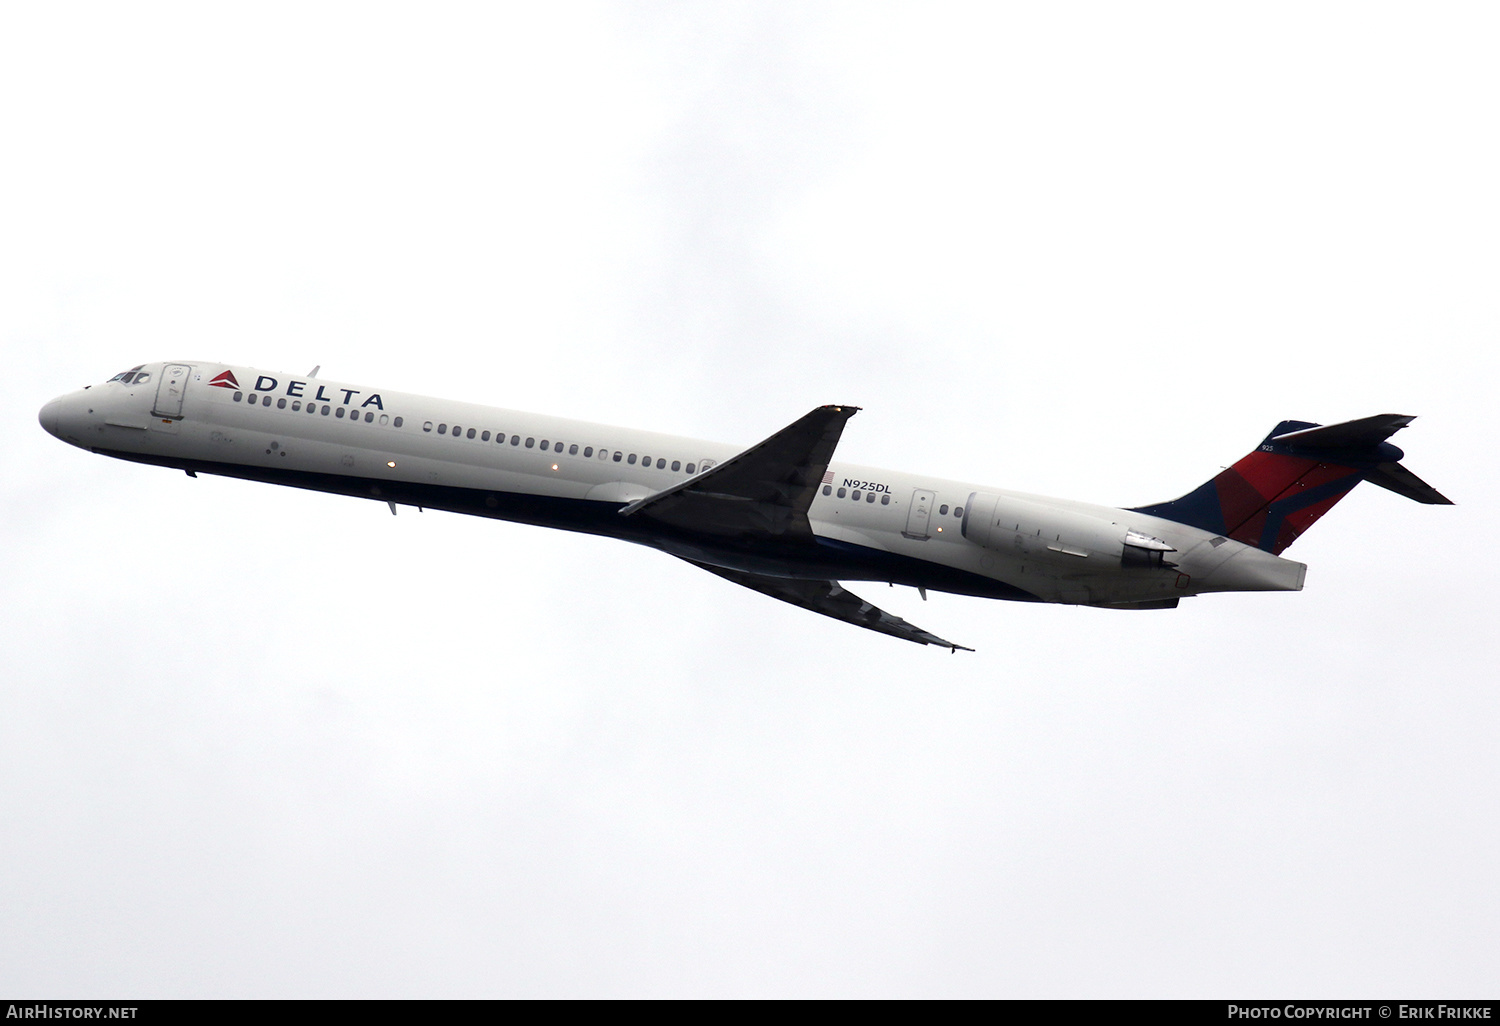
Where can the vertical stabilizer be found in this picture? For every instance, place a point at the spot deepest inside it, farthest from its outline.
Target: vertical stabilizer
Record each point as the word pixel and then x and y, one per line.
pixel 1270 497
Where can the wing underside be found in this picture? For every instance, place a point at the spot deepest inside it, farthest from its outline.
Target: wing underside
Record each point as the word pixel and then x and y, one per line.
pixel 831 599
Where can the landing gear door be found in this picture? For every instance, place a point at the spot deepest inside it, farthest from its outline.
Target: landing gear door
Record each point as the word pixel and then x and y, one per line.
pixel 921 513
pixel 174 379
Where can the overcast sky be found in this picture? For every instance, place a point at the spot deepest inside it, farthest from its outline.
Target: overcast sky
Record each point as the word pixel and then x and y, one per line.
pixel 260 742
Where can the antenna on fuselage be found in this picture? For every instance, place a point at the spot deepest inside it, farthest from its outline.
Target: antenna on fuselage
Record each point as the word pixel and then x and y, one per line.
pixel 314 372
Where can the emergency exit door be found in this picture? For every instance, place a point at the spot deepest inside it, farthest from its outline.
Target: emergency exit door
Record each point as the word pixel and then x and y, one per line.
pixel 921 513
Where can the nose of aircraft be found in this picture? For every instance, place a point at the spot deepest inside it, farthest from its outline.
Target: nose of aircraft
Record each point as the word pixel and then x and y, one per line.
pixel 48 417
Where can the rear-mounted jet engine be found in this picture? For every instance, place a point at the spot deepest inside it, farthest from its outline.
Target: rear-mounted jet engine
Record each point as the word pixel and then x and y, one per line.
pixel 1043 532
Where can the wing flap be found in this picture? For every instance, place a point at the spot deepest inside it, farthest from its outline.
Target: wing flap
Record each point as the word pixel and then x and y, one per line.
pixel 832 600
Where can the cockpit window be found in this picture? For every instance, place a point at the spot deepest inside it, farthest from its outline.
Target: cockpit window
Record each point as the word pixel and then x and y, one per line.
pixel 130 376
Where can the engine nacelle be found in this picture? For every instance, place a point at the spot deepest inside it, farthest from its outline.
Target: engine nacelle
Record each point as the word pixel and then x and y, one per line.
pixel 1033 530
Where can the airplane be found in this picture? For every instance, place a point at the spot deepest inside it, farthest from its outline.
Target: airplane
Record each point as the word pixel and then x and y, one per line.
pixel 781 517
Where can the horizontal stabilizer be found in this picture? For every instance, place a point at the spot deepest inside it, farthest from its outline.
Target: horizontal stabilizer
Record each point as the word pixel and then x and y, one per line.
pixel 1365 433
pixel 1403 482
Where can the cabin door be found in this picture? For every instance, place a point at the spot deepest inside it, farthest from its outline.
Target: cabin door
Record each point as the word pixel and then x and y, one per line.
pixel 174 377
pixel 921 513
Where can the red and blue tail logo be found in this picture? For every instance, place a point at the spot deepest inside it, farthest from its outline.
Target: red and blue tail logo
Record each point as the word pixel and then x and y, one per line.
pixel 1269 498
pixel 225 380
pixel 1272 496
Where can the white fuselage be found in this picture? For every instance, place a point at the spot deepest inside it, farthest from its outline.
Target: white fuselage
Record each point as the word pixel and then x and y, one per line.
pixel 869 524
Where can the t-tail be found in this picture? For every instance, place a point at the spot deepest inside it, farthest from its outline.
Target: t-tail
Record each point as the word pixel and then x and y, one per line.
pixel 1272 496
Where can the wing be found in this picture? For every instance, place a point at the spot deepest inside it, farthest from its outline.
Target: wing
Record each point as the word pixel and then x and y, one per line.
pixel 828 598
pixel 765 490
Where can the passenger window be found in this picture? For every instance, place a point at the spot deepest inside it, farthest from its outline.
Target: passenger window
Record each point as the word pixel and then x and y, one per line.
pixel 573 450
pixel 661 464
pixel 397 422
pixel 339 412
pixel 885 500
pixel 456 430
pixel 828 489
pixel 690 469
pixel 325 410
pixel 427 426
pixel 842 493
pixel 855 494
pixel 869 496
pixel 254 398
pixel 312 408
pixel 515 439
pixel 485 437
pixel 265 400
pixel 384 419
pixel 296 405
pixel 530 443
pixel 544 445
pixel 958 511
pixel 470 433
pixel 238 396
pixel 442 429
pixel 370 417
pixel 588 452
pixel 281 404
pixel 943 510
pixel 631 461
pixel 618 456
pixel 676 465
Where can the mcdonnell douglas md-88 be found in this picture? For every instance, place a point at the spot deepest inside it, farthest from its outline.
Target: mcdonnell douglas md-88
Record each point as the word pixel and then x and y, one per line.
pixel 782 517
